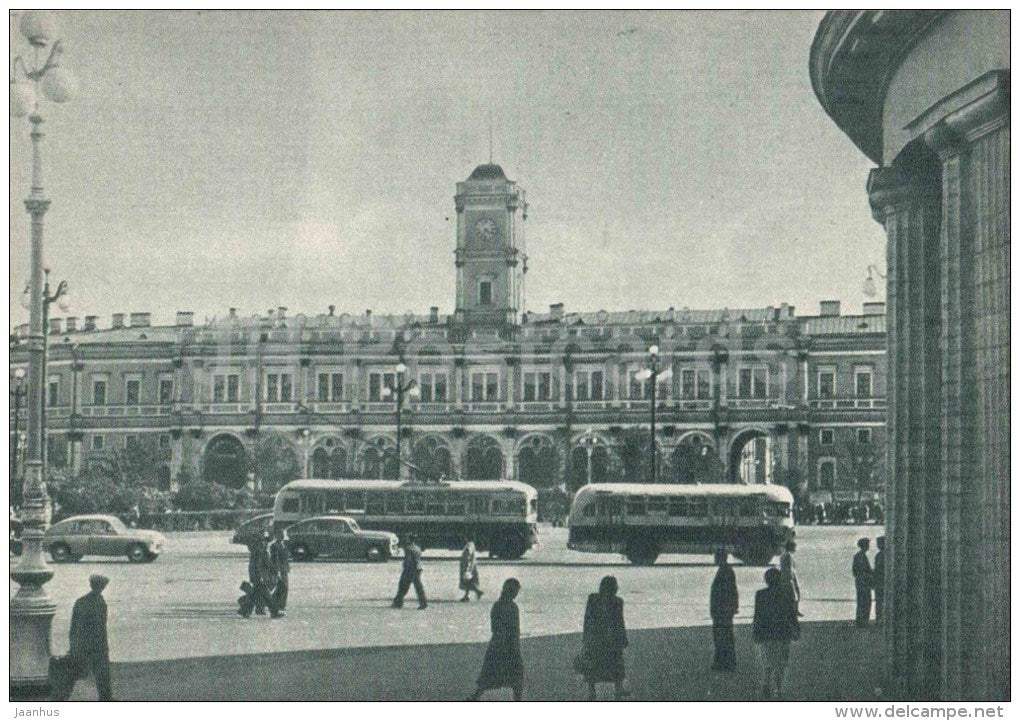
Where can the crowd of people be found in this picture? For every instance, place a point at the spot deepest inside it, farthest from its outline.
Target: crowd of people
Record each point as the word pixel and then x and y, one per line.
pixel 775 624
pixel 843 513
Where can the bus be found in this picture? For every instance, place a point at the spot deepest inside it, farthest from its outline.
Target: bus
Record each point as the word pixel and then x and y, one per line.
pixel 642 520
pixel 499 516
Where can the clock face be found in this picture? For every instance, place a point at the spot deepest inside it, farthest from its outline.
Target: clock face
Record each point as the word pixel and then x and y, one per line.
pixel 485 229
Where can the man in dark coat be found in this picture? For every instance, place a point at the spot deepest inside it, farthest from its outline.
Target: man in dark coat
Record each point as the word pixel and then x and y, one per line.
pixel 879 579
pixel 280 563
pixel 864 581
pixel 775 625
pixel 90 649
pixel 262 578
pixel 410 573
pixel 723 604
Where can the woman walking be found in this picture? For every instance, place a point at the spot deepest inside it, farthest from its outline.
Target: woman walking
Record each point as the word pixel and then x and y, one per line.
pixel 469 572
pixel 605 637
pixel 503 665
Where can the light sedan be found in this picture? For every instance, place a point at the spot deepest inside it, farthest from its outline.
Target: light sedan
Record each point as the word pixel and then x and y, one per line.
pixel 79 536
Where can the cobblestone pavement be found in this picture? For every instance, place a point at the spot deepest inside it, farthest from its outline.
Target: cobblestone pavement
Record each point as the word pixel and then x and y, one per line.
pixel 182 605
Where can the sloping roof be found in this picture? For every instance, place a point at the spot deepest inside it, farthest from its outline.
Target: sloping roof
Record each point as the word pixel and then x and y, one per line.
pixel 844 325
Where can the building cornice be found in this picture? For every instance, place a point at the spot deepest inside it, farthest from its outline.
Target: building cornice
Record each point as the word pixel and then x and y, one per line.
pixel 853 57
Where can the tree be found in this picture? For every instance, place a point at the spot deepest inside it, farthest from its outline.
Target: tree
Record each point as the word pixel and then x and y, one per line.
pixel 632 457
pixel 276 463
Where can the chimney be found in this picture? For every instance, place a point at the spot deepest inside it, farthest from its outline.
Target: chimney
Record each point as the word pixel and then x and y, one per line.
pixel 281 312
pixel 54 324
pixel 368 316
pixel 556 311
pixel 233 312
pixel 71 324
pixel 141 320
pixel 434 314
pixel 332 310
pixel 118 321
pixel 877 308
pixel 828 308
pixel 90 322
pixel 185 318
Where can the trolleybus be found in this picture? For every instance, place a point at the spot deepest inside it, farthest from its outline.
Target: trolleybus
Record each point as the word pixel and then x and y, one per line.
pixel 643 520
pixel 499 516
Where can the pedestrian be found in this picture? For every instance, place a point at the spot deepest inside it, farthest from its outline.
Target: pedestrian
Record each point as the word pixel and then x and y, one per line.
pixel 261 578
pixel 878 582
pixel 90 649
pixel 469 571
pixel 410 574
pixel 775 626
pixel 279 559
pixel 503 665
pixel 864 581
pixel 723 604
pixel 603 641
pixel 788 569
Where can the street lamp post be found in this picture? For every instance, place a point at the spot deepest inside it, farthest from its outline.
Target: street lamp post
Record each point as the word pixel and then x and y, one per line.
pixel 400 390
pixel 18 393
pixel 47 300
pixel 869 283
pixel 32 609
pixel 654 375
pixel 589 441
pixel 307 435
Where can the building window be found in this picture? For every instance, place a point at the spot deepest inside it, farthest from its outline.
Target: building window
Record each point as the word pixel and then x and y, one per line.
pixel 166 391
pixel 827 473
pixel 130 442
pixel 537 386
pixel 485 292
pixel 862 382
pixel 97 443
pixel 484 386
pixel 377 382
pixel 331 387
pixel 279 387
pixel 226 388
pixel 638 388
pixel 132 391
pixel 704 385
pixel 864 436
pixel 589 385
pixel 826 436
pixel 753 382
pixel 433 387
pixel 53 394
pixel 99 391
pixel 827 382
pixel 695 384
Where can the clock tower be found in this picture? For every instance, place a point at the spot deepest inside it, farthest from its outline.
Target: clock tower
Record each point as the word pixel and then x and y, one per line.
pixel 490 256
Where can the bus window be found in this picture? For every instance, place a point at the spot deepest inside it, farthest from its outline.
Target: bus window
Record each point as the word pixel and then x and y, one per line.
pixel 354 501
pixel 657 505
pixel 456 505
pixel 678 507
pixel 749 507
pixel 374 503
pixel 334 502
pixel 435 505
pixel 416 504
pixel 395 503
pixel 313 504
pixel 698 508
pixel 479 505
pixel 497 507
pixel 291 504
pixel 589 511
pixel 635 505
pixel 534 505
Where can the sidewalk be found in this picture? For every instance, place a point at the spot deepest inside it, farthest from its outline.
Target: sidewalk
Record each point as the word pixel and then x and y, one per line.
pixel 833 661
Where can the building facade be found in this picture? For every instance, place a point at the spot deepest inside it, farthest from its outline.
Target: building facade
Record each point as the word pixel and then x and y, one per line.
pixel 925 95
pixel 552 399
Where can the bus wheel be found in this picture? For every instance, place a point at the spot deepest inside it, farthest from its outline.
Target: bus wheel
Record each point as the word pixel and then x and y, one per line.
pixel 642 552
pixel 513 549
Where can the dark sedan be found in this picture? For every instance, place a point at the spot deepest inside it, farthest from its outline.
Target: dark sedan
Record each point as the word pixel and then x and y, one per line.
pixel 338 537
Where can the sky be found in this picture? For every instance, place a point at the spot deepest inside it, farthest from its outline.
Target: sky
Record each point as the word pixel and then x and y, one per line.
pixel 301 159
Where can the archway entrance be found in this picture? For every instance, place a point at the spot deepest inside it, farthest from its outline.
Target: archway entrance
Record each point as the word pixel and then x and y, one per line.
pixel 694 460
pixel 579 465
pixel 431 457
pixel 483 460
pixel 329 460
pixel 226 462
pixel 379 460
pixel 276 463
pixel 538 462
pixel 751 457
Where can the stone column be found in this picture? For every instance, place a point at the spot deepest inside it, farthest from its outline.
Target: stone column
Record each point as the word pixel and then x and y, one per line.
pixel 905 199
pixel 973 148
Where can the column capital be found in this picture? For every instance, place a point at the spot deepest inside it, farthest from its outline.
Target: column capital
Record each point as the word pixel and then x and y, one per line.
pixel 37 206
pixel 889 188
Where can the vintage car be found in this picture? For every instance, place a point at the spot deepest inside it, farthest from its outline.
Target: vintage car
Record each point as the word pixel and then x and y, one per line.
pixel 252 529
pixel 338 537
pixel 96 535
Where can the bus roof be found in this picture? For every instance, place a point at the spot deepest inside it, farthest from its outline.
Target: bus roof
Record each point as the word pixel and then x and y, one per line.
pixel 774 492
pixel 307 484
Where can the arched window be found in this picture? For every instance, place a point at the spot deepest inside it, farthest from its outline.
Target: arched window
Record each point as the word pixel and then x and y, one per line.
pixel 483 459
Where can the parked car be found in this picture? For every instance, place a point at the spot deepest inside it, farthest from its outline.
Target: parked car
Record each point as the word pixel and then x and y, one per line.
pixel 252 529
pixel 97 535
pixel 338 537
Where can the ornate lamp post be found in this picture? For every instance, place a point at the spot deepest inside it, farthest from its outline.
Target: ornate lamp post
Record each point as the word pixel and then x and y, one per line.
pixel 654 375
pixel 32 609
pixel 588 442
pixel 400 390
pixel 18 393
pixel 869 283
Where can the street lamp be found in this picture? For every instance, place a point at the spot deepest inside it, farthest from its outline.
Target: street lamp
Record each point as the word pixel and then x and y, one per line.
pixel 399 390
pixel 18 393
pixel 588 442
pixel 307 434
pixel 869 283
pixel 32 609
pixel 654 375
